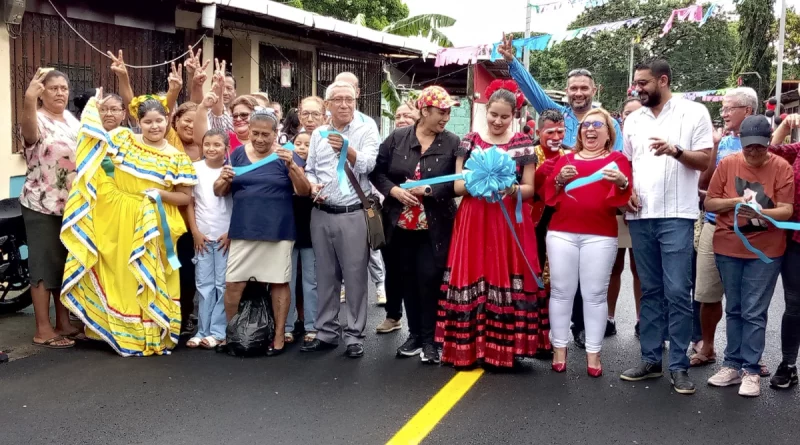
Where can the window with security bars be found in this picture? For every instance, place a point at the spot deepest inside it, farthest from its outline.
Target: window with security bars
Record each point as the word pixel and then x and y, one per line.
pixel 370 76
pixel 271 58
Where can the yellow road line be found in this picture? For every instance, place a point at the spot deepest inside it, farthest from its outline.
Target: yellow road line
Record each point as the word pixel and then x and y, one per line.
pixel 423 422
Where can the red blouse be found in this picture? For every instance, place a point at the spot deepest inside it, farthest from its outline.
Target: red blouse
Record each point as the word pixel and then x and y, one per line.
pixel 593 211
pixel 413 217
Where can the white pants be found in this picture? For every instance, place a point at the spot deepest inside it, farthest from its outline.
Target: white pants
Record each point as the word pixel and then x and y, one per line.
pixel 588 258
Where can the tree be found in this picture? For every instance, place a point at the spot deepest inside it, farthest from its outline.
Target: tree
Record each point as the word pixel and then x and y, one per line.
pixel 377 14
pixel 791 53
pixel 701 57
pixel 425 25
pixel 756 34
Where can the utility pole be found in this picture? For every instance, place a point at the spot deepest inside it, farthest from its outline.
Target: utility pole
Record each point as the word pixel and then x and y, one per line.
pixel 526 56
pixel 630 64
pixel 779 71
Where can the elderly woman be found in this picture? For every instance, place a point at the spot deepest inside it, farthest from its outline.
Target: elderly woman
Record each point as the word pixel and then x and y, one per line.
pixel 241 108
pixel 406 115
pixel 749 268
pixel 50 134
pixel 261 243
pixel 582 236
pixel 312 113
pixel 418 221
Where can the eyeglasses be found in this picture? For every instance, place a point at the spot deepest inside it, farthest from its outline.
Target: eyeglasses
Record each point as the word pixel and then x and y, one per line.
pixel 314 114
pixel 115 111
pixel 590 124
pixel 342 100
pixel 241 116
pixel 641 83
pixel 727 110
pixel 580 72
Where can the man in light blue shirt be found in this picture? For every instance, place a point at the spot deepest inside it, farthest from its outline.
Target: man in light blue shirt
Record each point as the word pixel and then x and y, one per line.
pixel 580 93
pixel 737 104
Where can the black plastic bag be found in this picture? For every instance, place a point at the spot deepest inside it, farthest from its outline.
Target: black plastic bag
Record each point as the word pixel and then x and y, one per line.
pixel 252 330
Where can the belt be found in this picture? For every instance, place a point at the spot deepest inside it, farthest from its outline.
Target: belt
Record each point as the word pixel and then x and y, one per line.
pixel 338 209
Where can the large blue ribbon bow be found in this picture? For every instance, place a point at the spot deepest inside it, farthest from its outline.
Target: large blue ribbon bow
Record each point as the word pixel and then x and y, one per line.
pixel 273 157
pixel 344 183
pixel 785 225
pixel 487 174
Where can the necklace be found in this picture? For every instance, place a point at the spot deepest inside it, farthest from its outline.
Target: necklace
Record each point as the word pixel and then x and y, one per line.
pixel 602 154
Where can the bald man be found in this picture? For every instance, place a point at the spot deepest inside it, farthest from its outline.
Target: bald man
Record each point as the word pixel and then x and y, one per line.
pixel 377 270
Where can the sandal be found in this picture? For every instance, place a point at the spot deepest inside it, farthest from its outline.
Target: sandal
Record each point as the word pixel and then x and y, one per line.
pixel 288 338
pixel 701 360
pixel 194 342
pixel 77 335
pixel 309 337
pixel 50 343
pixel 210 342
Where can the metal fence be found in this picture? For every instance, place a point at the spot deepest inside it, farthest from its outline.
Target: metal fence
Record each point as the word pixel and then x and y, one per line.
pixel 270 59
pixel 46 41
pixel 368 71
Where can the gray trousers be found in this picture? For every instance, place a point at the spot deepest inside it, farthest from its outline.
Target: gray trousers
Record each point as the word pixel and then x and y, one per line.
pixel 342 252
pixel 377 271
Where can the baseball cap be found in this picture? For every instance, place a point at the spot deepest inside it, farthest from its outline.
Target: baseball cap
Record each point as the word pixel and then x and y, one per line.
pixel 755 130
pixel 436 96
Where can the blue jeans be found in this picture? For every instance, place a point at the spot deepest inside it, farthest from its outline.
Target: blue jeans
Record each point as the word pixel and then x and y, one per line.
pixel 209 278
pixel 663 249
pixel 309 264
pixel 749 285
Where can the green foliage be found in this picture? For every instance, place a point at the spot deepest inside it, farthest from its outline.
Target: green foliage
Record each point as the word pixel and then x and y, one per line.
pixel 378 14
pixel 425 25
pixel 701 57
pixel 756 33
pixel 791 53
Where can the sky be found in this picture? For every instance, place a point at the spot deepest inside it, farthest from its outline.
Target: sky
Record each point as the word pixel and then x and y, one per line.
pixel 483 21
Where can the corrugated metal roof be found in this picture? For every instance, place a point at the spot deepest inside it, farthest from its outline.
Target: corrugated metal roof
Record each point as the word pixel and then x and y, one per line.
pixel 329 24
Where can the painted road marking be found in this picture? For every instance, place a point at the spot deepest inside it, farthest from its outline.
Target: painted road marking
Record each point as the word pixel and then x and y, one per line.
pixel 426 419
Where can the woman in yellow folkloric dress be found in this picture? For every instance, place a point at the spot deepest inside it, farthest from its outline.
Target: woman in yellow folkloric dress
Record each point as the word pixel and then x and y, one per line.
pixel 119 279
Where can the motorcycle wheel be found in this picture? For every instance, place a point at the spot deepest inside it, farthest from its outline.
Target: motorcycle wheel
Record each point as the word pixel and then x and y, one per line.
pixel 11 305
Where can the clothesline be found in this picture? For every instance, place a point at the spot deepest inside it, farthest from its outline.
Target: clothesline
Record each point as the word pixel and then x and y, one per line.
pixel 470 54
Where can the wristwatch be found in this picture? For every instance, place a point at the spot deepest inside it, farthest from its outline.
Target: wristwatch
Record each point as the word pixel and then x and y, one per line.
pixel 678 152
pixel 428 190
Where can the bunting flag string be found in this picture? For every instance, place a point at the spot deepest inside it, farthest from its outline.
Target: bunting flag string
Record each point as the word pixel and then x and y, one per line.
pixel 554 5
pixel 471 54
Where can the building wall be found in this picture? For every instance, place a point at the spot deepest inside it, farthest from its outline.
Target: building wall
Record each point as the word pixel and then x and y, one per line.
pixel 12 166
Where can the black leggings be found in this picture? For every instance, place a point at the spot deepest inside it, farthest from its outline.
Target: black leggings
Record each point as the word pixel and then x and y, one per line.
pixel 185 251
pixel 413 277
pixel 790 325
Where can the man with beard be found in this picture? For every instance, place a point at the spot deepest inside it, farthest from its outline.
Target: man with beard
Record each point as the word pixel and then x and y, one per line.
pixel 668 141
pixel 580 94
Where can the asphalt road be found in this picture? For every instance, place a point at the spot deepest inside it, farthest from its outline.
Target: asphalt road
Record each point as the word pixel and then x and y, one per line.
pixel 88 395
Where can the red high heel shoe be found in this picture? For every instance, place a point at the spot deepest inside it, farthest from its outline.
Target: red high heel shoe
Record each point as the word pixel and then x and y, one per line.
pixel 594 372
pixel 560 367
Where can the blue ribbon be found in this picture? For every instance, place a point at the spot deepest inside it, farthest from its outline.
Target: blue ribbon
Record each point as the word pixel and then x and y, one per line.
pixel 344 183
pixel 591 179
pixel 172 257
pixel 432 181
pixel 274 156
pixel 784 225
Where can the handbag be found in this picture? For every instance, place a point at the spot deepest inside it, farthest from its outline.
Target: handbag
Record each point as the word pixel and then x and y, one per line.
pixel 372 211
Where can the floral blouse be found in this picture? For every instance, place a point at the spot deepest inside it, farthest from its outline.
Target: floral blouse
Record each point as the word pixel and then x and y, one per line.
pixel 51 165
pixel 413 217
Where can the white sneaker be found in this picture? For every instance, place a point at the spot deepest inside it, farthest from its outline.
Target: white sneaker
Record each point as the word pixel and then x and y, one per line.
pixel 341 295
pixel 751 385
pixel 725 377
pixel 381 294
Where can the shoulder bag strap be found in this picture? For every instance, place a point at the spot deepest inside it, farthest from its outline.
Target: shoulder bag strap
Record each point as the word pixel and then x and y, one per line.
pixel 352 177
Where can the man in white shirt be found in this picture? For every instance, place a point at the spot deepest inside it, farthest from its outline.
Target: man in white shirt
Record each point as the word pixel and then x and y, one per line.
pixel 377 270
pixel 668 141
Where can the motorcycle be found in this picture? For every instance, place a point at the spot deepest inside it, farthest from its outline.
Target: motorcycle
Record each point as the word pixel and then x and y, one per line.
pixel 15 287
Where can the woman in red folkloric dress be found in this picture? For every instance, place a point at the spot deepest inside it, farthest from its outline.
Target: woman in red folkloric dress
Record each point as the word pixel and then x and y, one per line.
pixel 494 311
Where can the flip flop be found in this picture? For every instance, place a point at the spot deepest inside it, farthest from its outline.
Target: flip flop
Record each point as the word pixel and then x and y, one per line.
pixel 193 342
pixel 49 343
pixel 76 336
pixel 701 360
pixel 209 343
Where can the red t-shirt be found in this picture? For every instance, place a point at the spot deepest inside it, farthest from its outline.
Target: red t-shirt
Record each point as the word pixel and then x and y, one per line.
pixel 593 211
pixel 235 142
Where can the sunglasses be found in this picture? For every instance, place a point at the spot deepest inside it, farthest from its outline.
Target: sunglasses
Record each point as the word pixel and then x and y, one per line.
pixel 241 116
pixel 595 124
pixel 580 72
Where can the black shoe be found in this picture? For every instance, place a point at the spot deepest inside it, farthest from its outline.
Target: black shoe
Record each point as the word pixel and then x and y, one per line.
pixel 680 381
pixel 317 345
pixel 642 372
pixel 636 330
pixel 580 339
pixel 430 354
pixel 274 352
pixel 411 348
pixel 611 328
pixel 355 351
pixel 188 328
pixel 785 376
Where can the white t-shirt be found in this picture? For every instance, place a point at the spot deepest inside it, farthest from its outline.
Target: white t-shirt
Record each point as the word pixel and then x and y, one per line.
pixel 213 213
pixel 665 187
